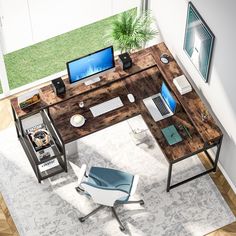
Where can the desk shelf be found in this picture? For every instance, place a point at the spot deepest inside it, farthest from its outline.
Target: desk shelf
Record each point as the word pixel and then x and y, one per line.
pixel 57 158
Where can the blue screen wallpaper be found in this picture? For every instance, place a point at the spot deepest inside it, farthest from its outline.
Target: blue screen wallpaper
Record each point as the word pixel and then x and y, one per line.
pixel 168 97
pixel 91 64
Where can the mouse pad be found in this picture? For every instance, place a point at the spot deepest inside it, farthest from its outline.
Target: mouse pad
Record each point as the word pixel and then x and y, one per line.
pixel 171 135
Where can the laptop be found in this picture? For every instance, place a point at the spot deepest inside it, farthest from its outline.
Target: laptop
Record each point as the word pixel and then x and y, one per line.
pixel 161 105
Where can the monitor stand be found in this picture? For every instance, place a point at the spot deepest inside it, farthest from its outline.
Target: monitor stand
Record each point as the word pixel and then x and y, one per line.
pixel 92 81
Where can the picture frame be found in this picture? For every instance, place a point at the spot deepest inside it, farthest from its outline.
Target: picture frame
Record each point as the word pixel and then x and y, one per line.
pixel 198 41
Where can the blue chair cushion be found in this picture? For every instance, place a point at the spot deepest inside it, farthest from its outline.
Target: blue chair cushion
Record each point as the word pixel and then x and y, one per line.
pixel 111 178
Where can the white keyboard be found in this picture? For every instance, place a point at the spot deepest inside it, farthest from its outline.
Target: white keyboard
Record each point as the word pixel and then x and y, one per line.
pixel 107 106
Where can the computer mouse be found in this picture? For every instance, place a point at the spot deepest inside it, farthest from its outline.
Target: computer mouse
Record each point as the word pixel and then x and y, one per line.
pixel 131 97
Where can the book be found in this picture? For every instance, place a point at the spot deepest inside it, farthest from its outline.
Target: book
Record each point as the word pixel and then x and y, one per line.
pixel 171 135
pixel 182 84
pixel 27 99
pixel 184 91
pixel 48 165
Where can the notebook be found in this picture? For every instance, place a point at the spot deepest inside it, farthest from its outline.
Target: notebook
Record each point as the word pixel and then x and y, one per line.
pixel 171 135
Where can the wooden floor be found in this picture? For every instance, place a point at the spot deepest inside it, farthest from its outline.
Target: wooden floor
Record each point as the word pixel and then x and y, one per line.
pixel 7 226
pixel 227 193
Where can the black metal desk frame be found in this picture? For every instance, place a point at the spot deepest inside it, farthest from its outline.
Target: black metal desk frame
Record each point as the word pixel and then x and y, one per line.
pixel 205 150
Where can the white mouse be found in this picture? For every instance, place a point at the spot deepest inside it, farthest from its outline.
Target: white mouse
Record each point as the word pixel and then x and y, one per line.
pixel 131 97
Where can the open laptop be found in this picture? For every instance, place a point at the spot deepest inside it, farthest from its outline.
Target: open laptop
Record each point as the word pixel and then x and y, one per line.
pixel 161 105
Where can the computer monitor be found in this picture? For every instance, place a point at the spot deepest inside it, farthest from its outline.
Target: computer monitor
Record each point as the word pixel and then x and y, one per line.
pixel 88 68
pixel 169 99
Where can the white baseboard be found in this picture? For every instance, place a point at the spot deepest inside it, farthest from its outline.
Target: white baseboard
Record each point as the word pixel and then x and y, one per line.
pixel 212 153
pixel 227 177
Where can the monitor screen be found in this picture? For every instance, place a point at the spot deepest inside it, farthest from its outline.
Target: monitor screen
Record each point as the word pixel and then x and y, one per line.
pixel 90 65
pixel 166 94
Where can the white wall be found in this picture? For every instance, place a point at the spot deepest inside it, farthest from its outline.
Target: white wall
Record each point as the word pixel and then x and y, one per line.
pixel 220 91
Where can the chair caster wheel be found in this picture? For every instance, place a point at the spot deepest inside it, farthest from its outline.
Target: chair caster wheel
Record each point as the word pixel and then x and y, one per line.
pixel 122 229
pixel 141 202
pixel 81 219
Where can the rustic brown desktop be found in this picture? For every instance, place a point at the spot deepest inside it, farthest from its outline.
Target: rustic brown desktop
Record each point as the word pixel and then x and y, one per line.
pixel 142 80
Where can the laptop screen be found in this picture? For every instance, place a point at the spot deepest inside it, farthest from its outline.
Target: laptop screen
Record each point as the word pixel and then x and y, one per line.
pixel 166 94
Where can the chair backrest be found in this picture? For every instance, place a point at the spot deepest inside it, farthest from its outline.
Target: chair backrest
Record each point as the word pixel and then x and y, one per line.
pixel 99 184
pixel 104 195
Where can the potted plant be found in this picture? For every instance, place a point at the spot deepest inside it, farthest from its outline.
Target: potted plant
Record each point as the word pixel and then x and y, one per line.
pixel 130 31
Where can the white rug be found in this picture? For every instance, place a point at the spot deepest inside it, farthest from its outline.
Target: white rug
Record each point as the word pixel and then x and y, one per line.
pixel 53 207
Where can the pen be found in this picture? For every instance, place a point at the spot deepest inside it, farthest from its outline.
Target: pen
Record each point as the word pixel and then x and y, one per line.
pixel 186 130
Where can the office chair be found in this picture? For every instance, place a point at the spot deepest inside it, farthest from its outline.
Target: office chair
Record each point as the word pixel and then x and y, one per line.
pixel 107 187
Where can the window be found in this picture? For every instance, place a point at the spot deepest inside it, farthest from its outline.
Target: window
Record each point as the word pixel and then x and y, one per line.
pixel 50 56
pixel 27 61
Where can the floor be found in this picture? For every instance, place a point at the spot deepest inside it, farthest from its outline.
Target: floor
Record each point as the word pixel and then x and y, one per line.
pixel 7 226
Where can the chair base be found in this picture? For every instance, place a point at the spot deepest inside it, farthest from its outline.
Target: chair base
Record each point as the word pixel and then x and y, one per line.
pixel 79 189
pixel 122 228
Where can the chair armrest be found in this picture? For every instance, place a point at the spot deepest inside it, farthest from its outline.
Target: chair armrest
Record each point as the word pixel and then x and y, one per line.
pixel 79 172
pixel 134 185
pixel 104 195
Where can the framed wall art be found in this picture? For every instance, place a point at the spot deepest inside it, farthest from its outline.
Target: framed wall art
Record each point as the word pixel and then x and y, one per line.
pixel 198 41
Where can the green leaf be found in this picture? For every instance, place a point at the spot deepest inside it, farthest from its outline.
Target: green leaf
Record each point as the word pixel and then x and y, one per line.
pixel 130 31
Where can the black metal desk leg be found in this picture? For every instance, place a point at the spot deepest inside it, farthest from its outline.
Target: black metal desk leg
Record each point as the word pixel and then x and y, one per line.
pixel 169 177
pixel 15 120
pixel 21 128
pixel 217 154
pixel 65 159
pixel 37 174
pixel 49 115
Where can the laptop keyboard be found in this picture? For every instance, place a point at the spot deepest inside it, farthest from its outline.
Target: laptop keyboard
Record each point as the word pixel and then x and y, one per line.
pixel 161 105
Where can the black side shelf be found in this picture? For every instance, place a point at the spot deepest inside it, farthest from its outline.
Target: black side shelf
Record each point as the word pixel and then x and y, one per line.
pixel 57 160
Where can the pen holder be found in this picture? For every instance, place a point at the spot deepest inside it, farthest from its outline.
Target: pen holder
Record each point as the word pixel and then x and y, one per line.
pixel 204 116
pixel 184 130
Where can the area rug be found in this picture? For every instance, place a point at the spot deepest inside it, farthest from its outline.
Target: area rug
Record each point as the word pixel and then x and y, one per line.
pixel 53 207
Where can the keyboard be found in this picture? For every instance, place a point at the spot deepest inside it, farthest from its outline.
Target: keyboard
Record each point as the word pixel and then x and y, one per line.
pixel 107 106
pixel 161 105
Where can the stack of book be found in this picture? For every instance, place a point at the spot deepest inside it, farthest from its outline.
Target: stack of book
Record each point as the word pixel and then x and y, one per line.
pixel 182 84
pixel 28 99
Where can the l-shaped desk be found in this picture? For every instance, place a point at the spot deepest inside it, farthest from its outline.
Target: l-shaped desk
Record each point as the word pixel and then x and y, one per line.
pixel 143 79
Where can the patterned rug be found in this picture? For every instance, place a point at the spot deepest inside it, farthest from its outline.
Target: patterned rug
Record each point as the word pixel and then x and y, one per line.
pixel 53 207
